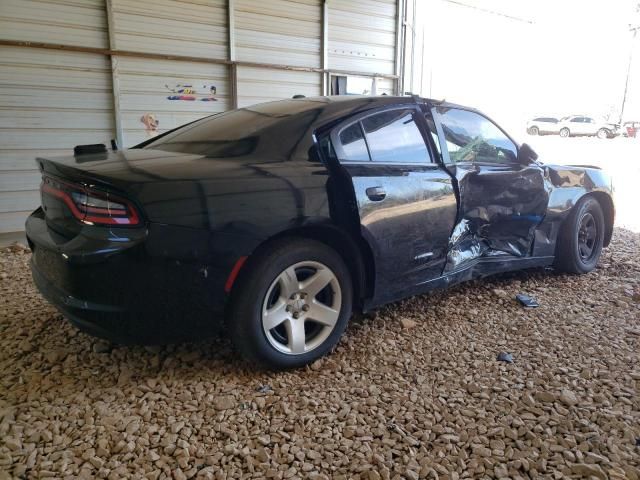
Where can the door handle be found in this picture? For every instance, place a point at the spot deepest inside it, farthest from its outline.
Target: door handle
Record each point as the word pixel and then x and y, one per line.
pixel 376 194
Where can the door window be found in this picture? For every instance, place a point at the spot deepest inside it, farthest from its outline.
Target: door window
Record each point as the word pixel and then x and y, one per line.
pixel 354 148
pixel 470 137
pixel 394 137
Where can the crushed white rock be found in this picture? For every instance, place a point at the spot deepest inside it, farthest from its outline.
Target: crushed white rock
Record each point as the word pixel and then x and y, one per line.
pixel 412 391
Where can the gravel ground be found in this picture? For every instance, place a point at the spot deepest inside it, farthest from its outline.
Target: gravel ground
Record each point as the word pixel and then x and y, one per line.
pixel 412 391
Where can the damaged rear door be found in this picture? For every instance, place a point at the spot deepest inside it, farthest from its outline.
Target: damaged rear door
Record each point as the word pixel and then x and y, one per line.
pixel 501 202
pixel 405 200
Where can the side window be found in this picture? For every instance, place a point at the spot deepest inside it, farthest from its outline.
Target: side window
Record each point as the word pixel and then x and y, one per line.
pixel 577 120
pixel 394 137
pixel 353 144
pixel 471 137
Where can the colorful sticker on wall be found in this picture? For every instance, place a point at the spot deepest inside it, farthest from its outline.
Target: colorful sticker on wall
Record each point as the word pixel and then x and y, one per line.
pixel 150 123
pixel 189 93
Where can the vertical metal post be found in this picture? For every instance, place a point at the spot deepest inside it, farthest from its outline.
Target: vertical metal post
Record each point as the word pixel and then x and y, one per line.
pixel 399 46
pixel 324 52
pixel 233 83
pixel 422 62
pixel 413 47
pixel 233 68
pixel 626 82
pixel 115 82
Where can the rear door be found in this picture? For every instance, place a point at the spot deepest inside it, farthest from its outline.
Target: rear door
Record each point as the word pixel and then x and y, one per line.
pixel 501 201
pixel 405 200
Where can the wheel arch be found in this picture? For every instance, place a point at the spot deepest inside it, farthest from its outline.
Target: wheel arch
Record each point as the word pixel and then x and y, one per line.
pixel 355 252
pixel 608 209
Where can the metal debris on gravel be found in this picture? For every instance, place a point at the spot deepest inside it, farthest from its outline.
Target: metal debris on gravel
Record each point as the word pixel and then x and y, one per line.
pixel 505 357
pixel 412 391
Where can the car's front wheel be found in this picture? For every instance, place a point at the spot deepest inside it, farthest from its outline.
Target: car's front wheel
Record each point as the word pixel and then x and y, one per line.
pixel 534 131
pixel 564 133
pixel 603 133
pixel 291 305
pixel 581 238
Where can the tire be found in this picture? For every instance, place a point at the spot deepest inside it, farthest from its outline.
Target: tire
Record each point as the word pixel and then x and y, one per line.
pixel 603 133
pixel 267 287
pixel 534 131
pixel 564 132
pixel 581 237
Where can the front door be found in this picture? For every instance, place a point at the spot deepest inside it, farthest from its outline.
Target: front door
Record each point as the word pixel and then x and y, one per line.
pixel 578 126
pixel 501 201
pixel 405 200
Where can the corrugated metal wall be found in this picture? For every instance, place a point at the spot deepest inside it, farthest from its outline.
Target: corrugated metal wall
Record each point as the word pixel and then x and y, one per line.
pixel 145 88
pixel 49 101
pixel 362 35
pixel 257 85
pixel 196 28
pixel 281 32
pixel 172 61
pixel 65 22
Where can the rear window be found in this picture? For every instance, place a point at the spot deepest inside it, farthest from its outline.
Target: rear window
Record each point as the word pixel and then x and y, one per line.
pixel 546 119
pixel 231 133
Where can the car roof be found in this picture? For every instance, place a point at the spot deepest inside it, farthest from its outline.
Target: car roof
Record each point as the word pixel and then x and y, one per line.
pixel 348 103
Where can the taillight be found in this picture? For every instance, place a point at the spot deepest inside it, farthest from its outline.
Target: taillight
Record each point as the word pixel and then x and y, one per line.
pixel 91 206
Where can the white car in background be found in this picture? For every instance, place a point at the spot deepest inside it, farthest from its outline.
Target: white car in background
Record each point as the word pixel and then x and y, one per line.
pixel 543 125
pixel 575 125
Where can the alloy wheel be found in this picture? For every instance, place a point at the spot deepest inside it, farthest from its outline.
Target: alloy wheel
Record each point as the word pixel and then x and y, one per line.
pixel 301 308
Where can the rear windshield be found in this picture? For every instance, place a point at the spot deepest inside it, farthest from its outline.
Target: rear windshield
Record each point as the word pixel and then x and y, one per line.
pixel 546 119
pixel 230 133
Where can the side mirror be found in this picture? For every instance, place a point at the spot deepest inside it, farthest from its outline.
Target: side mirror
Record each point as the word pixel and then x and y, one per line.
pixel 526 155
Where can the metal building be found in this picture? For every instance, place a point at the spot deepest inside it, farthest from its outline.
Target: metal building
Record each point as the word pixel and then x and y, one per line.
pixel 86 71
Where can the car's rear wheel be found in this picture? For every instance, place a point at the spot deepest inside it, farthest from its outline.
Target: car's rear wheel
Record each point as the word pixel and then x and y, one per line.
pixel 291 305
pixel 564 132
pixel 534 131
pixel 581 237
pixel 603 133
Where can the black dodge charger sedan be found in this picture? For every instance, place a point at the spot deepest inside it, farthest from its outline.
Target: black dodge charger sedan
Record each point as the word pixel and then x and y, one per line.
pixel 277 221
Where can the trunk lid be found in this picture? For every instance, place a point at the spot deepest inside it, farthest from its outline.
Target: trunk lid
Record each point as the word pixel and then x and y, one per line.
pixel 98 189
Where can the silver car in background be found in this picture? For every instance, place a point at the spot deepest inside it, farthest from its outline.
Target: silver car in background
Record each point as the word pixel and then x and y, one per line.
pixel 543 126
pixel 580 125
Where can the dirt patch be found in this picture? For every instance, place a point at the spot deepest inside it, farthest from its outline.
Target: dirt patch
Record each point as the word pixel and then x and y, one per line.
pixel 412 391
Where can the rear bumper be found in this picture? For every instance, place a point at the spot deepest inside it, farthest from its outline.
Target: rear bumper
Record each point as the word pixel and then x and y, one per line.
pixel 97 320
pixel 112 284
